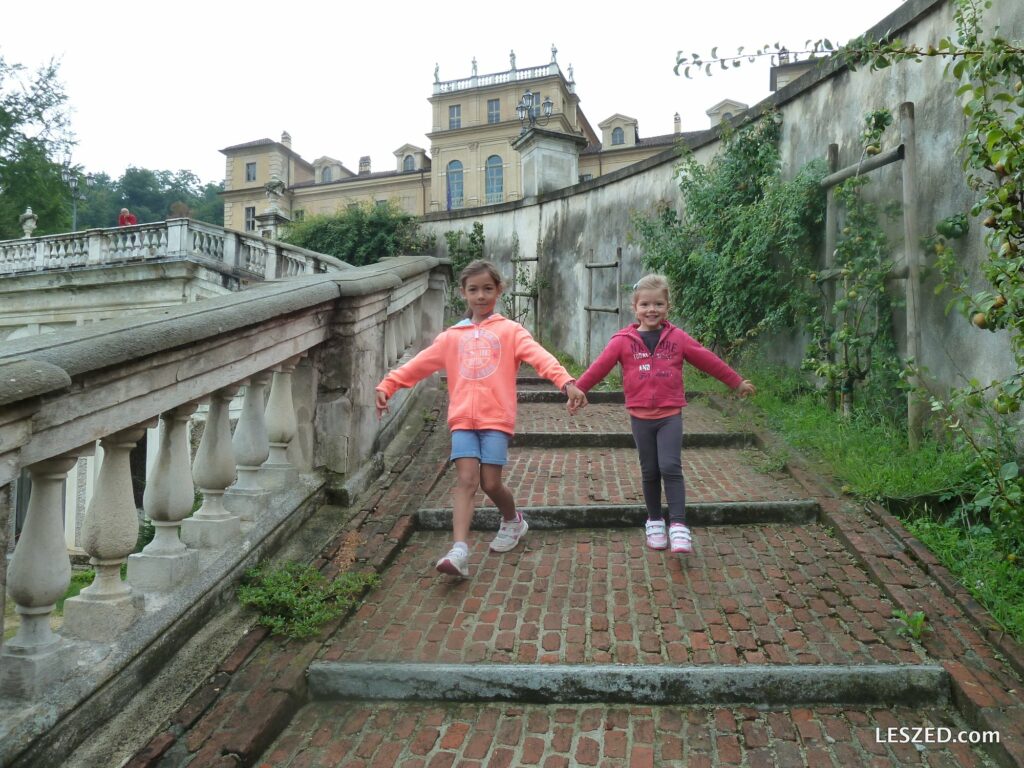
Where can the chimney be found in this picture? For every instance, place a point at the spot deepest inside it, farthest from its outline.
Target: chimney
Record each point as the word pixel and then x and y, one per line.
pixel 364 165
pixel 286 139
pixel 677 124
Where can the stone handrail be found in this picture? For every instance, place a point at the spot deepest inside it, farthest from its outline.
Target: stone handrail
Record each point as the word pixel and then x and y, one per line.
pixel 306 352
pixel 174 239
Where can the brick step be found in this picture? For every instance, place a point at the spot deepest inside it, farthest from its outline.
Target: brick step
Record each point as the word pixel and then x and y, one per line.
pixel 580 477
pixel 601 418
pixel 625 440
pixel 626 516
pixel 912 685
pixel 613 736
pixel 757 595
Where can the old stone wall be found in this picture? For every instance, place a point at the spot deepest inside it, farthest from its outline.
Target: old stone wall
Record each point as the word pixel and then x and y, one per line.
pixel 591 221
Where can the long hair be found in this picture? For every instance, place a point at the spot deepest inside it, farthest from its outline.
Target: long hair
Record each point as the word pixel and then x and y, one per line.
pixel 477 267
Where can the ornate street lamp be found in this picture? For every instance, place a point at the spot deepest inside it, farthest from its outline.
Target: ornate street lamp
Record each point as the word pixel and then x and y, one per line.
pixel 69 176
pixel 531 114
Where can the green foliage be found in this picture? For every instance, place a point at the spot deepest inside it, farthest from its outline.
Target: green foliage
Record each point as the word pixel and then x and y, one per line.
pixel 463 247
pixel 732 256
pixel 79 581
pixel 974 555
pixel 360 234
pixel 851 327
pixel 914 624
pixel 295 600
pixel 34 132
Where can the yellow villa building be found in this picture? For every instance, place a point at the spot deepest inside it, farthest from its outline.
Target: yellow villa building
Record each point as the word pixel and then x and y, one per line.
pixel 474 159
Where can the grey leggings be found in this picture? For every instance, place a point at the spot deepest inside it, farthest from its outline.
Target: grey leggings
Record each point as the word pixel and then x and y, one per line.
pixel 660 443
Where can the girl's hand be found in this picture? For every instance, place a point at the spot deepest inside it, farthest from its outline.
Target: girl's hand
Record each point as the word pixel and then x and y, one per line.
pixel 577 399
pixel 382 404
pixel 746 389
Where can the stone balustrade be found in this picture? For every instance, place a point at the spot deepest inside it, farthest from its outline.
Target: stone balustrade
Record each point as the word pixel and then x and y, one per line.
pixel 172 240
pixel 308 352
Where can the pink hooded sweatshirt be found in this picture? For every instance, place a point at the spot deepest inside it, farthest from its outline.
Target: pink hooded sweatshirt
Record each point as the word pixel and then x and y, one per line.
pixel 481 362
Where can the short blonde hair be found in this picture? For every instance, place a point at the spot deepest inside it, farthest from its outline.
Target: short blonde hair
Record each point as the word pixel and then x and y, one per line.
pixel 651 283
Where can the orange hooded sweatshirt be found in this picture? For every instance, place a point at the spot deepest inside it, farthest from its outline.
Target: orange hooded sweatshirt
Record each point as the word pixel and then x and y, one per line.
pixel 481 362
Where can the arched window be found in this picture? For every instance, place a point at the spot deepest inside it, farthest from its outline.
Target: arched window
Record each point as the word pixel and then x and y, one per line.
pixel 326 175
pixel 618 137
pixel 494 183
pixel 408 164
pixel 454 185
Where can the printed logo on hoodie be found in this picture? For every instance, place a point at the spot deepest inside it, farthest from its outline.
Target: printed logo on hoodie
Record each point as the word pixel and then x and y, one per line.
pixel 479 352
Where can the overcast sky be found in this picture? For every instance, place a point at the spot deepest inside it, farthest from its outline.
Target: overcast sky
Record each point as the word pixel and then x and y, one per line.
pixel 165 86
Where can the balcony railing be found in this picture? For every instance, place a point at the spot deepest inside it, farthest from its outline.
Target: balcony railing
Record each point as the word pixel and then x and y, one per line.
pixel 175 239
pixel 306 352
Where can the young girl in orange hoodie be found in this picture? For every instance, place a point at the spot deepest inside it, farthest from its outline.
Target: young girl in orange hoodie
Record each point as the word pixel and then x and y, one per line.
pixel 481 356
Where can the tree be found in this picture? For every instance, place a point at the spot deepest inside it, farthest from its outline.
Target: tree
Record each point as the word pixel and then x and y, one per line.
pixel 361 234
pixel 34 129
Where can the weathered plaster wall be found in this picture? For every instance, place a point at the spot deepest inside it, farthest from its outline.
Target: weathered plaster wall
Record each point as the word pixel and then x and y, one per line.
pixel 589 221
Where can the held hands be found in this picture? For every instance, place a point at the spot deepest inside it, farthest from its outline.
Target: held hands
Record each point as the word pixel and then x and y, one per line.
pixel 577 399
pixel 745 389
pixel 382 404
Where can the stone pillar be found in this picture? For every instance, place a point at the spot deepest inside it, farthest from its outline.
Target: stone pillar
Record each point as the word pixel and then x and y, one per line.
pixel 108 606
pixel 550 160
pixel 432 306
pixel 168 500
pixel 213 471
pixel 278 472
pixel 37 577
pixel 247 497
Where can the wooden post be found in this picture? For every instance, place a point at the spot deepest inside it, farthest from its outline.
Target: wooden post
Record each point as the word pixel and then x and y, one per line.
pixel 915 407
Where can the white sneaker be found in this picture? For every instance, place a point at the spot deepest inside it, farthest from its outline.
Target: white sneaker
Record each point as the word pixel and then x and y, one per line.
pixel 455 563
pixel 655 530
pixel 509 534
pixel 679 535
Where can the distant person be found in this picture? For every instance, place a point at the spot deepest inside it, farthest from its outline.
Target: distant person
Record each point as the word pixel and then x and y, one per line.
pixel 126 219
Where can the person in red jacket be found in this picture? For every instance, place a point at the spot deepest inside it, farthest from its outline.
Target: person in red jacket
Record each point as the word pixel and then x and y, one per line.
pixel 651 352
pixel 481 355
pixel 126 219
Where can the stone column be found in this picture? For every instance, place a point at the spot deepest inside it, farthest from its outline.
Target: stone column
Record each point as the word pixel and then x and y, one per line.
pixel 108 606
pixel 247 496
pixel 37 577
pixel 168 500
pixel 213 471
pixel 278 472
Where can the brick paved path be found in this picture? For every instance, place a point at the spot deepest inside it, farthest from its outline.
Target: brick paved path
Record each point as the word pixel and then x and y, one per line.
pixel 757 596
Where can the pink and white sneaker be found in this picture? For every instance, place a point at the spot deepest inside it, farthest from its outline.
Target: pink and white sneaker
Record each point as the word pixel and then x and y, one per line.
pixel 680 539
pixel 656 538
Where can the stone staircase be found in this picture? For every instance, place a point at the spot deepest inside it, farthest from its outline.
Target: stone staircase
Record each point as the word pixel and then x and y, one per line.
pixel 773 644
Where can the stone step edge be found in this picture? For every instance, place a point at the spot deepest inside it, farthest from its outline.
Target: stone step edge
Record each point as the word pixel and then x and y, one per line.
pixel 918 685
pixel 797 512
pixel 625 440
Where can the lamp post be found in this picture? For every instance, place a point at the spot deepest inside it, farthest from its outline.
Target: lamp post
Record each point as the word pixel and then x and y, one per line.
pixel 532 114
pixel 69 176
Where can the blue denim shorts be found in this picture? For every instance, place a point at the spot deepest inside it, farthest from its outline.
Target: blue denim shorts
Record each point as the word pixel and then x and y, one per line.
pixel 490 446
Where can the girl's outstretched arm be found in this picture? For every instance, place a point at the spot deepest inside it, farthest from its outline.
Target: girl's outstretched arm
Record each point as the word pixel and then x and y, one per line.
pixel 601 367
pixel 422 365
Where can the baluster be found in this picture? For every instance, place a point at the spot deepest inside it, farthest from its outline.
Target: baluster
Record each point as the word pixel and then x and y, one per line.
pixel 278 472
pixel 408 328
pixel 213 471
pixel 108 606
pixel 390 341
pixel 168 500
pixel 247 496
pixel 37 576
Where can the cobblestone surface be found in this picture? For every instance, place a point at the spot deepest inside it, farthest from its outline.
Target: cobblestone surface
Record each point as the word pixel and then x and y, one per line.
pixel 580 476
pixel 607 417
pixel 440 736
pixel 750 594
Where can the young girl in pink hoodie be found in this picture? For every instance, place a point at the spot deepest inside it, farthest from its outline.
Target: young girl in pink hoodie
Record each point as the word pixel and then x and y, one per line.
pixel 481 355
pixel 651 352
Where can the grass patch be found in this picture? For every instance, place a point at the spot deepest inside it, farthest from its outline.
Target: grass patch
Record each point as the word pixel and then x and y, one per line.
pixel 972 555
pixel 295 600
pixel 868 455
